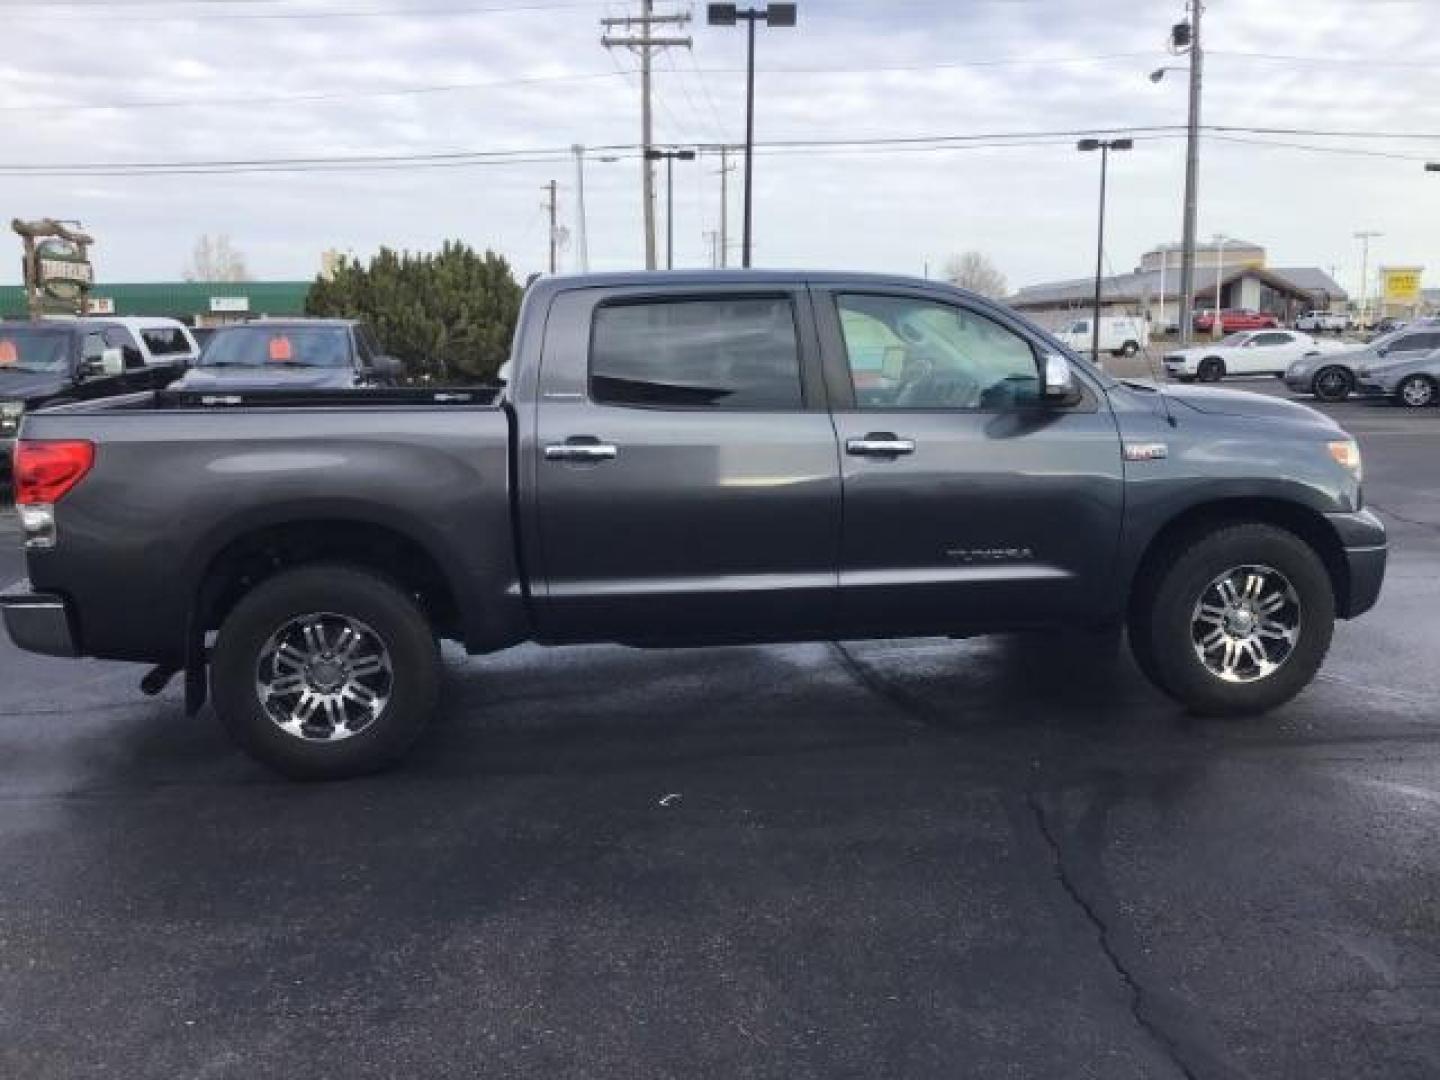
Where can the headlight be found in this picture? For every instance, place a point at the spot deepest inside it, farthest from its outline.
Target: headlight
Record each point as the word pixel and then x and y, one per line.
pixel 10 413
pixel 1346 453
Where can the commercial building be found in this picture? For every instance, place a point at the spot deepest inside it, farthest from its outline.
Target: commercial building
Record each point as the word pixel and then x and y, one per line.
pixel 197 303
pixel 1237 268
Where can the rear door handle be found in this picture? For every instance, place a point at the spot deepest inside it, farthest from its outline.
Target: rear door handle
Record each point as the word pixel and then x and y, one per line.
pixel 581 448
pixel 879 444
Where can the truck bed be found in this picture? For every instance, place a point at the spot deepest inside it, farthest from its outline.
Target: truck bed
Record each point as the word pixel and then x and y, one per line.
pixel 380 397
pixel 180 479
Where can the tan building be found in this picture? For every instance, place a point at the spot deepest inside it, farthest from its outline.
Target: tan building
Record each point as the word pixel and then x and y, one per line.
pixel 1237 268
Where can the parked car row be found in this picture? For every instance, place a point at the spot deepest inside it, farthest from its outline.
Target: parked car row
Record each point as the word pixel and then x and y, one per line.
pixel 1403 365
pixel 62 361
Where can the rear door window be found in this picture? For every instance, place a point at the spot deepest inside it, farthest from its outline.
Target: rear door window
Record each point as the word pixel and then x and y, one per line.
pixel 165 342
pixel 721 353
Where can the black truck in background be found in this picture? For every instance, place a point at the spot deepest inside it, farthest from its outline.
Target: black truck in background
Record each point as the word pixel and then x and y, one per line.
pixel 687 459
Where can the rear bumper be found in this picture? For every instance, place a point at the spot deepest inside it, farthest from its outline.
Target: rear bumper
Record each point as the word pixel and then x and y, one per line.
pixel 38 622
pixel 1365 549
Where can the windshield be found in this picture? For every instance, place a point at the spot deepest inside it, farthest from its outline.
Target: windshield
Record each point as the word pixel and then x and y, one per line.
pixel 34 350
pixel 1233 340
pixel 262 346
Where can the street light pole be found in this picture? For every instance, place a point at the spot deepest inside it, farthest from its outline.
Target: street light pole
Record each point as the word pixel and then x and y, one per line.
pixel 1365 238
pixel 1104 146
pixel 670 157
pixel 582 244
pixel 1217 324
pixel 728 15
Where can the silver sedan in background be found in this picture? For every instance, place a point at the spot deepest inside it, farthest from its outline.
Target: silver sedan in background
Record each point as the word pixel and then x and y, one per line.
pixel 1335 376
pixel 1413 380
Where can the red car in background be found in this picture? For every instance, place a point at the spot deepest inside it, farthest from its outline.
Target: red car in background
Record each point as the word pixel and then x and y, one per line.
pixel 1233 319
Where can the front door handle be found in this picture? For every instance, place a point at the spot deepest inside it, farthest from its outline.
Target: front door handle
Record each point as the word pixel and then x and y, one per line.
pixel 581 448
pixel 879 444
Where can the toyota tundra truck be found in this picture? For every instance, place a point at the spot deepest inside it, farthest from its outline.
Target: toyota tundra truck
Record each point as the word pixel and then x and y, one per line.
pixel 686 459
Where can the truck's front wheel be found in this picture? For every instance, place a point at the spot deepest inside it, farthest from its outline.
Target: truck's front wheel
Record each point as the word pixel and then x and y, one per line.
pixel 1238 623
pixel 325 672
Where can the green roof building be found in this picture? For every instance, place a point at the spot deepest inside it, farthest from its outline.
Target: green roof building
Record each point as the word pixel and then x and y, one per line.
pixel 199 303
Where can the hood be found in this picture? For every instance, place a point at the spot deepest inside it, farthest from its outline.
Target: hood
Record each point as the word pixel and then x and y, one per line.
pixel 1243 403
pixel 31 386
pixel 223 380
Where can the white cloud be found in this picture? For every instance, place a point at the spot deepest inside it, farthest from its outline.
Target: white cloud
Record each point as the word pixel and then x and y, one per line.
pixel 1031 208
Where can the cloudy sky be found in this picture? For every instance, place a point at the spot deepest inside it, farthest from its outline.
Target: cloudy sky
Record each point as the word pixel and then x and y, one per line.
pixel 104 82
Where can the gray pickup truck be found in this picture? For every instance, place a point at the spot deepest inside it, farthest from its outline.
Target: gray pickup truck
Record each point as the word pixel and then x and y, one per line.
pixel 686 459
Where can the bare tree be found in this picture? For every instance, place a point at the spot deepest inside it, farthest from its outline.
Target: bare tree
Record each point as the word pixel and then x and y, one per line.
pixel 214 258
pixel 975 271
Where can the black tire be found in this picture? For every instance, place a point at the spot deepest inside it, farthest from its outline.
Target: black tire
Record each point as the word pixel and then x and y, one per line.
pixel 1212 369
pixel 1163 619
pixel 1416 392
pixel 1333 383
pixel 345 592
pixel 1130 348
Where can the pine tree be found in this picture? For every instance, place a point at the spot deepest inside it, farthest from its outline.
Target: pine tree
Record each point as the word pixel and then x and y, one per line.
pixel 448 315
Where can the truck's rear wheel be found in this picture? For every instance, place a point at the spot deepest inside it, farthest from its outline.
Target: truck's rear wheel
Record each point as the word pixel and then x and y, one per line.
pixel 325 672
pixel 1238 623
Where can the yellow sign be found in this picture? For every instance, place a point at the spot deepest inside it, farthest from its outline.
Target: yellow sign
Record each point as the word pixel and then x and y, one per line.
pixel 1400 284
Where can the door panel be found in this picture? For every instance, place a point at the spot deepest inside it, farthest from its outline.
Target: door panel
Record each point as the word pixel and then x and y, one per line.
pixel 991 515
pixel 670 523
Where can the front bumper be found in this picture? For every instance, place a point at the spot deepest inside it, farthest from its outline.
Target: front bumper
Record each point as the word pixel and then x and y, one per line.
pixel 1301 383
pixel 38 622
pixel 1362 537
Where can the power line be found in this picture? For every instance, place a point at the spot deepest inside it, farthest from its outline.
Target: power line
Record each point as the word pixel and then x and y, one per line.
pixel 534 155
pixel 50 15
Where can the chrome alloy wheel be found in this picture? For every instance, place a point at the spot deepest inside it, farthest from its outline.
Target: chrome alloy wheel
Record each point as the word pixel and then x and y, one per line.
pixel 1417 391
pixel 324 677
pixel 1246 623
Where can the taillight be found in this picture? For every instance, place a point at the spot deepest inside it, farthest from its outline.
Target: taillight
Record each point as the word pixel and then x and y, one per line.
pixel 44 470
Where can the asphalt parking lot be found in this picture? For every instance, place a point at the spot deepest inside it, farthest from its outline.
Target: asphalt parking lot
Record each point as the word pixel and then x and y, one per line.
pixel 1001 857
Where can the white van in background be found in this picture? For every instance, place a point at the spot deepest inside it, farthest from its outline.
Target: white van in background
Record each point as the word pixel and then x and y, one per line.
pixel 1120 335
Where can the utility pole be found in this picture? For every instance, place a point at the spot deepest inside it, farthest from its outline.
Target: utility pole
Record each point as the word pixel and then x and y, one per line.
pixel 725 170
pixel 645 45
pixel 550 205
pixel 1192 167
pixel 1365 238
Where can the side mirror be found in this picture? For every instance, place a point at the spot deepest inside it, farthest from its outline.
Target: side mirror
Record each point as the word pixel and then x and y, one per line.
pixel 110 362
pixel 387 367
pixel 1059 380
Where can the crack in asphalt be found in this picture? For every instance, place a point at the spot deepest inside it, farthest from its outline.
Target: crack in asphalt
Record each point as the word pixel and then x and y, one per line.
pixel 1135 991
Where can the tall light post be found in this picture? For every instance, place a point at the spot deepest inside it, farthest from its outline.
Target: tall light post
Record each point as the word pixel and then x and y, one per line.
pixel 1217 324
pixel 582 244
pixel 729 15
pixel 1104 146
pixel 1365 238
pixel 670 157
pixel 1185 38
